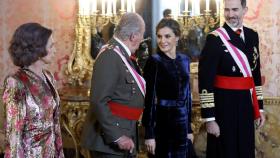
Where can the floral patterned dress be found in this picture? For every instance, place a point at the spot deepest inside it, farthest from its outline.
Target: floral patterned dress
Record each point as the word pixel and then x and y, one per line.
pixel 32 116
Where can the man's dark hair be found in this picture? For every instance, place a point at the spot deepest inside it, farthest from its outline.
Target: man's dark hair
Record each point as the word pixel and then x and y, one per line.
pixel 28 44
pixel 243 3
pixel 167 13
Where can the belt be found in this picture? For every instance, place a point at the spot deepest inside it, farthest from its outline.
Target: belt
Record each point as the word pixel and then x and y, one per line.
pixel 239 83
pixel 235 83
pixel 171 103
pixel 125 111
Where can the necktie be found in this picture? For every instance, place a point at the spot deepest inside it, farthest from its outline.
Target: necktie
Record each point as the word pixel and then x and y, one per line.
pixel 238 32
pixel 135 64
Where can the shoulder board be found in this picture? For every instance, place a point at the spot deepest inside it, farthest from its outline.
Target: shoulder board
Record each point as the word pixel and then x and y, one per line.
pixel 111 46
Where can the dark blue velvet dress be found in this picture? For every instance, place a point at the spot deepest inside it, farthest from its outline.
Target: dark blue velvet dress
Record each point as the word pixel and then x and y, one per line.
pixel 167 113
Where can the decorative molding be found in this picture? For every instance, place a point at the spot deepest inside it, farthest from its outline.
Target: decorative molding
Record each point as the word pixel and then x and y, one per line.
pixel 73 115
pixel 74 106
pixel 268 101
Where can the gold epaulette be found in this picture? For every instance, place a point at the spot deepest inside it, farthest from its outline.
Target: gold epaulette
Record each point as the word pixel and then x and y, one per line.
pixel 206 99
pixel 259 92
pixel 214 33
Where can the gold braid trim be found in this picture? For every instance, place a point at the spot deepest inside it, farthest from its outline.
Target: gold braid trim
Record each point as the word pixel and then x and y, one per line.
pixel 259 92
pixel 206 99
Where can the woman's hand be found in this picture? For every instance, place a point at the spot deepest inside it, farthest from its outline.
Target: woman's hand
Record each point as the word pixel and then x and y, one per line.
pixel 190 137
pixel 150 145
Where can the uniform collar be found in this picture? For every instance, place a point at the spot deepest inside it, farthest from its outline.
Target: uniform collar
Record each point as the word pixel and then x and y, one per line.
pixel 123 45
pixel 242 31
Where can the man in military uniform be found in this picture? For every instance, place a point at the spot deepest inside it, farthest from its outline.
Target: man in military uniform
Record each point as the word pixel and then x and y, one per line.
pixel 117 94
pixel 230 86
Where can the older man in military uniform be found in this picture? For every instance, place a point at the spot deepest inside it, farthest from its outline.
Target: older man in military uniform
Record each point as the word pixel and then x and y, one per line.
pixel 117 94
pixel 230 86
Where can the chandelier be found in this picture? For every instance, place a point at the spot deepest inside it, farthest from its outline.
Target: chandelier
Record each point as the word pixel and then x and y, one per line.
pixel 107 12
pixel 92 14
pixel 193 16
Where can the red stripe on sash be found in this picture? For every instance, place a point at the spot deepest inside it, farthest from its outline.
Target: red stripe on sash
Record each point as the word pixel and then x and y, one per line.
pixel 139 80
pixel 236 53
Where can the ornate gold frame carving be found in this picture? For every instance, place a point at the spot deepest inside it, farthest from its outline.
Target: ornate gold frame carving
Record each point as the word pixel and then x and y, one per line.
pixel 268 101
pixel 80 64
pixel 73 115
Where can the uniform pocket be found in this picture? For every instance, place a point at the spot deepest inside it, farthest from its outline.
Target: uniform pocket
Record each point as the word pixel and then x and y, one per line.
pixel 129 79
pixel 123 123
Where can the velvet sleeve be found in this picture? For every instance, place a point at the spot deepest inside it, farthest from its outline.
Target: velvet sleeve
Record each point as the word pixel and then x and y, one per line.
pixel 256 71
pixel 148 119
pixel 189 103
pixel 207 70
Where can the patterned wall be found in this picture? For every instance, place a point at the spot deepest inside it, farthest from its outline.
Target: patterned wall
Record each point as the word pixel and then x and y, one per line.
pixel 57 15
pixel 263 15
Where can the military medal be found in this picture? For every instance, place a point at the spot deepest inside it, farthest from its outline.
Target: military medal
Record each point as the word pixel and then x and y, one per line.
pixel 233 69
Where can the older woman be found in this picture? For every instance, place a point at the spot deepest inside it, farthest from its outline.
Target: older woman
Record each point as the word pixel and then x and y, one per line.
pixel 30 99
pixel 167 113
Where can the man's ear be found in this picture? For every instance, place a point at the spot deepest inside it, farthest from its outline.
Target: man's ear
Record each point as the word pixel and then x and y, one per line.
pixel 132 37
pixel 245 10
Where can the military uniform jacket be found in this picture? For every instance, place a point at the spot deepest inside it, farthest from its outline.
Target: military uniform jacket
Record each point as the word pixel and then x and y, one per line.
pixel 232 109
pixel 111 81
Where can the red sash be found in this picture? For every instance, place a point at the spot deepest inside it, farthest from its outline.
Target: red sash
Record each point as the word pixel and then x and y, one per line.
pixel 239 83
pixel 125 111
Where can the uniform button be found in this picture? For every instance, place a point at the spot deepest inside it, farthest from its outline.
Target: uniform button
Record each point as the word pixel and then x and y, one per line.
pixel 133 88
pixel 132 81
pixel 117 124
pixel 126 70
pixel 133 92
